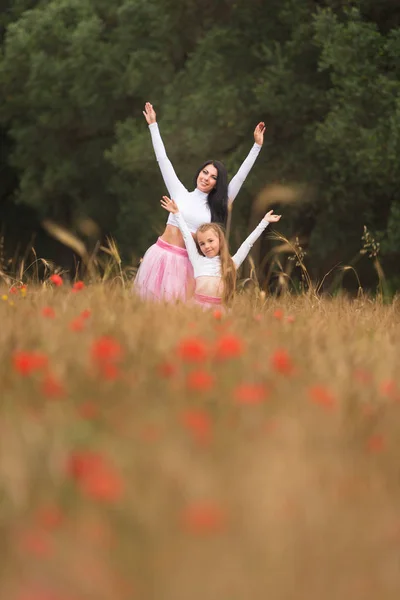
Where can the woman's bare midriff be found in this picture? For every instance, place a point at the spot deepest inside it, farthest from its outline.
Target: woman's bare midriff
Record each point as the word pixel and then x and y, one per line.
pixel 173 236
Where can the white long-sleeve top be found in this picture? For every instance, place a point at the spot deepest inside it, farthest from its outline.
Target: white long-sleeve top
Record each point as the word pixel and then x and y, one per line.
pixel 204 267
pixel 194 205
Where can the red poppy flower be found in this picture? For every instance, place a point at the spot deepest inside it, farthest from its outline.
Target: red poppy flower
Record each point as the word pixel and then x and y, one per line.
pixel 199 423
pixel 376 443
pixel 86 314
pixel 78 286
pixel 203 518
pixel 278 314
pixel 27 363
pixel 88 410
pixel 192 349
pixel 250 393
pixel 322 396
pixel 109 371
pixel 49 517
pixel 106 349
pixel 217 314
pixel 37 543
pixel 77 324
pixel 229 346
pixel 167 369
pixel 200 381
pixel 48 312
pixel 56 279
pixel 281 362
pixel 95 476
pixel 52 387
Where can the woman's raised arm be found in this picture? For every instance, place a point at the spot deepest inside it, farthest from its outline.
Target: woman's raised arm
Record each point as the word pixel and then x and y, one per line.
pixel 174 186
pixel 238 180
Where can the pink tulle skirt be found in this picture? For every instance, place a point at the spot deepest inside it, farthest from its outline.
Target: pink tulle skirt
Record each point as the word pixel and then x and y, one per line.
pixel 165 273
pixel 207 302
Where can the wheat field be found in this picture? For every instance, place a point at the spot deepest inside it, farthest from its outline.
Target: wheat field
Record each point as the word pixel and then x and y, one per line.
pixel 161 452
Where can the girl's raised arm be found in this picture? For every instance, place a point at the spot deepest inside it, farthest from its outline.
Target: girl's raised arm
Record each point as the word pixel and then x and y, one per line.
pixel 247 245
pixel 171 180
pixel 190 244
pixel 238 180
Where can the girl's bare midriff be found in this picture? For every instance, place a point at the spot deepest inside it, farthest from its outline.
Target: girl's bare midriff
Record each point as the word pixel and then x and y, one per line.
pixel 173 236
pixel 209 286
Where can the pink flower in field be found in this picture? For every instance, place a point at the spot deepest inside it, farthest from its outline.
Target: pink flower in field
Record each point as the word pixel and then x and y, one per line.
pixel 200 381
pixel 95 476
pixel 290 319
pixel 282 362
pixel 27 363
pixel 250 393
pixel 48 312
pixel 13 290
pixel 86 314
pixel 78 286
pixel 322 396
pixel 56 279
pixel 199 423
pixel 203 518
pixel 192 349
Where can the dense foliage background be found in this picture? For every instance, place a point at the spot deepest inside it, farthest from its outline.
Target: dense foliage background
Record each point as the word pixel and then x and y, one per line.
pixel 323 75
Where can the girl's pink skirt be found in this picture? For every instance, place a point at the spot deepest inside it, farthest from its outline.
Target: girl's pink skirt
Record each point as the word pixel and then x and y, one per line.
pixel 165 273
pixel 207 302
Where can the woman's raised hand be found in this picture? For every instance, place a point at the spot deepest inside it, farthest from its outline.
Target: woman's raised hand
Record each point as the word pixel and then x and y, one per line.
pixel 271 218
pixel 169 205
pixel 149 113
pixel 259 134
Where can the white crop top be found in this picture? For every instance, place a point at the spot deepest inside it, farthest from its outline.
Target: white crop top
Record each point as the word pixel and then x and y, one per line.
pixel 211 267
pixel 194 205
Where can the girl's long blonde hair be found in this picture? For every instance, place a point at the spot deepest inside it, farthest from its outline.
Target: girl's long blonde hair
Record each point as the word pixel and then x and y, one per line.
pixel 228 268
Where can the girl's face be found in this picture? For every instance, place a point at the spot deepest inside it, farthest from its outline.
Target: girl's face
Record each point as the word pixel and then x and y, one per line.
pixel 207 179
pixel 208 243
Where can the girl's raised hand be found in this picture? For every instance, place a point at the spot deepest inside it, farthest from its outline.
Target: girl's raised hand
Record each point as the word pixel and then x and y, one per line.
pixel 149 113
pixel 169 205
pixel 271 218
pixel 259 134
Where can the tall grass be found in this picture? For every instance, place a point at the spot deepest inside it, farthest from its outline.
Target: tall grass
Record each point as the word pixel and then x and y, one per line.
pixel 196 455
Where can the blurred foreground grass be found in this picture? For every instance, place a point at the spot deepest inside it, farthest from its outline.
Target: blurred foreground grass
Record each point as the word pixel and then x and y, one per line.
pixel 159 452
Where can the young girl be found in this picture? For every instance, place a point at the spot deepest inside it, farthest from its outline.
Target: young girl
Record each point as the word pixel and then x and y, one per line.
pixel 214 269
pixel 165 272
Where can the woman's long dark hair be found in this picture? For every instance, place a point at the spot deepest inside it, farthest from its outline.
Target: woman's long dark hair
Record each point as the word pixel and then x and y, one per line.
pixel 218 197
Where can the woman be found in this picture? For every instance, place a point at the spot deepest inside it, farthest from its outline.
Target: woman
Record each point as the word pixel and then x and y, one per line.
pixel 166 272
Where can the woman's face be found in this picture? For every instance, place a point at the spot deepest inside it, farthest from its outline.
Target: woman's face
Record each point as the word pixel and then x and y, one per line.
pixel 208 243
pixel 207 179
